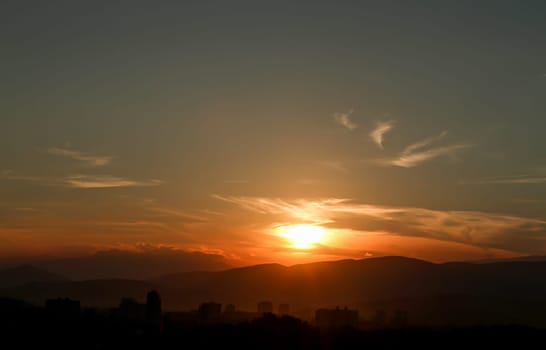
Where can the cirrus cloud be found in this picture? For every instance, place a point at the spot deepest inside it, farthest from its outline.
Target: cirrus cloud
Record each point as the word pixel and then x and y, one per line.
pixel 89 159
pixel 420 152
pixel 105 181
pixel 344 119
pixel 480 229
pixel 380 130
pixel 508 180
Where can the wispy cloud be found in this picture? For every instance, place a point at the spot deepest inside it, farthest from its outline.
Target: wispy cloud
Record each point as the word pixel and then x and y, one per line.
pixel 481 229
pixel 10 175
pixel 25 209
pixel 81 180
pixel 380 130
pixel 420 152
pixel 180 214
pixel 414 159
pixel 89 159
pixel 423 143
pixel 136 224
pixel 516 179
pixel 105 181
pixel 344 119
pixel 309 211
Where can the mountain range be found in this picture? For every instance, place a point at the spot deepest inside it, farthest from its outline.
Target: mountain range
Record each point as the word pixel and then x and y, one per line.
pixel 24 274
pixel 502 292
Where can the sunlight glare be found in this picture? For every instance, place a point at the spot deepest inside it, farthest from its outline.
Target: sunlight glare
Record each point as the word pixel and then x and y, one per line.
pixel 302 236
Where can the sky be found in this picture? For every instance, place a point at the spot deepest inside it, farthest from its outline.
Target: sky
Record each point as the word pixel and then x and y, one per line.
pixel 230 127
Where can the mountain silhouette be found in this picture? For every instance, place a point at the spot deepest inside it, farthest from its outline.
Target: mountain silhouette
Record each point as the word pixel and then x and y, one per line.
pixel 526 258
pixel 140 264
pixel 24 274
pixel 352 281
pixel 450 292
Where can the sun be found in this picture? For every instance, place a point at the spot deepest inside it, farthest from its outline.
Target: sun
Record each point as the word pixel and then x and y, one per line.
pixel 302 236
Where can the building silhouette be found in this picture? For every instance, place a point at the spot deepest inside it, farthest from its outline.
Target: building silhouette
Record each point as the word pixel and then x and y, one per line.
pixel 131 310
pixel 379 319
pixel 336 318
pixel 153 313
pixel 153 306
pixel 209 312
pixel 399 319
pixel 265 307
pixel 229 309
pixel 284 309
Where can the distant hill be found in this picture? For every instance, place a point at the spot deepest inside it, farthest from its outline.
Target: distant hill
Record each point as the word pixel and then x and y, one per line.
pixel 350 282
pixel 528 258
pixel 140 264
pixel 103 293
pixel 433 293
pixel 24 274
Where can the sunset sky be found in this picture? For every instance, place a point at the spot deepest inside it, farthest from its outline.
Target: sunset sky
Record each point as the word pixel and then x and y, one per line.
pixel 273 131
